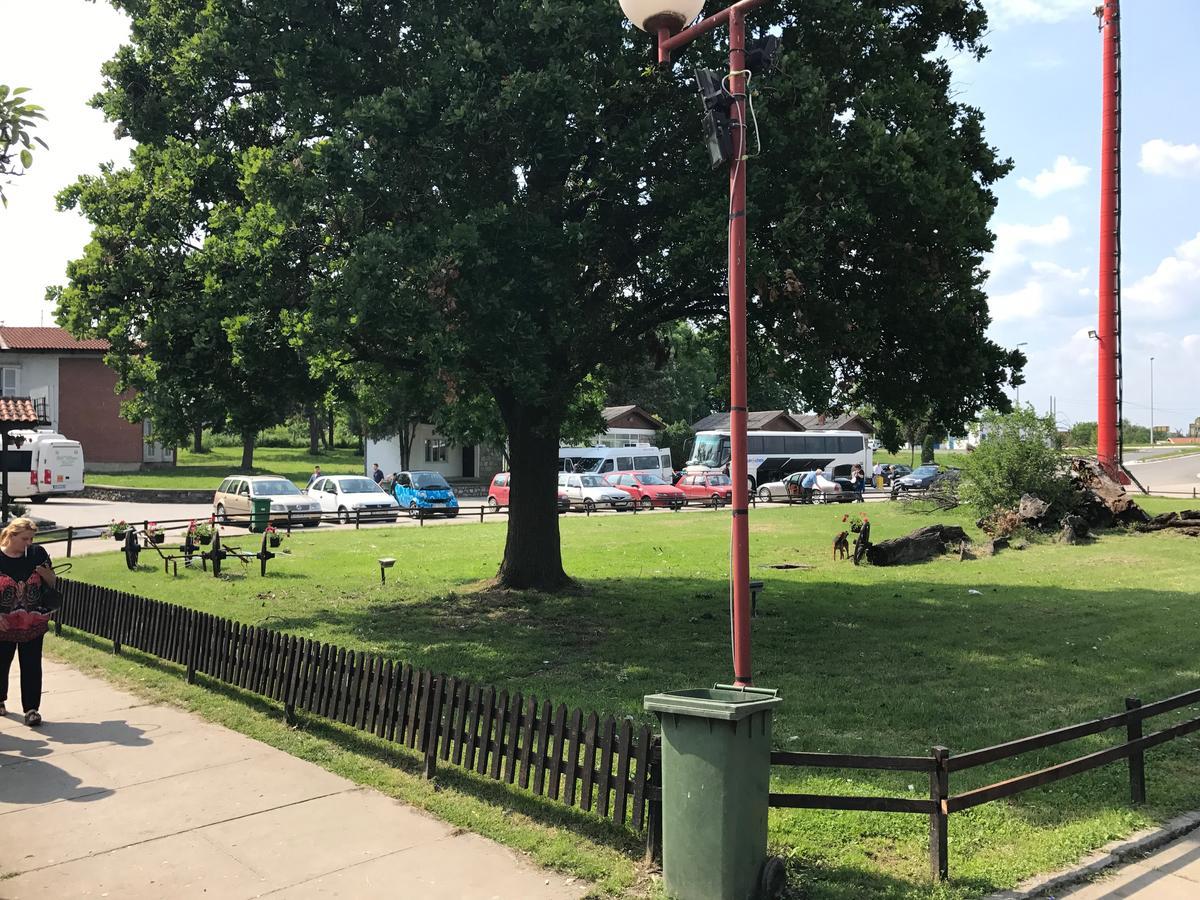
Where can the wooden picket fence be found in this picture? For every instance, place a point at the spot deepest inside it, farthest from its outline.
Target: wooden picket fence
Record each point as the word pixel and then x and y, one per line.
pixel 601 766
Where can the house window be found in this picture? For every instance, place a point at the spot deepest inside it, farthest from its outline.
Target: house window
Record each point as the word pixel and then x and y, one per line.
pixel 10 381
pixel 435 449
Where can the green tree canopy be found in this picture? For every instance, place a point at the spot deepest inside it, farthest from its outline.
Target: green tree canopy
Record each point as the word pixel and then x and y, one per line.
pixel 18 118
pixel 512 190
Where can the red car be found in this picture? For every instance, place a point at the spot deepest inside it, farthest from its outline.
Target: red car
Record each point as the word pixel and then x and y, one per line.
pixel 648 489
pixel 500 486
pixel 711 486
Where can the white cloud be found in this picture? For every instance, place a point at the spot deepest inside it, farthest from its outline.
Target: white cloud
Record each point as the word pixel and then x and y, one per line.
pixel 1191 345
pixel 1025 302
pixel 1066 174
pixel 1161 157
pixel 1019 12
pixel 1173 287
pixel 1057 271
pixel 1012 239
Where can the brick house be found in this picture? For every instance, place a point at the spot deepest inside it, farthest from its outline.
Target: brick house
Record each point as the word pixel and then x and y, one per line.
pixel 69 378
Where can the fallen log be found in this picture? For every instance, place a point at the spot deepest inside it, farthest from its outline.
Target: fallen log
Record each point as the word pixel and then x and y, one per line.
pixel 918 546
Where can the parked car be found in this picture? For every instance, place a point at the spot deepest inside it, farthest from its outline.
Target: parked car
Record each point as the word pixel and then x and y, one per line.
pixel 498 493
pixel 592 491
pixel 923 478
pixel 648 488
pixel 710 486
pixel 826 489
pixel 421 492
pixel 288 502
pixel 353 497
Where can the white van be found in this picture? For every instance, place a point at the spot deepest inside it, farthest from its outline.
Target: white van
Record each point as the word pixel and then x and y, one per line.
pixel 603 460
pixel 45 465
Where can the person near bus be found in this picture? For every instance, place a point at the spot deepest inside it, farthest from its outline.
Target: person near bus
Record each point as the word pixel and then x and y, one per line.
pixel 808 484
pixel 25 574
pixel 858 481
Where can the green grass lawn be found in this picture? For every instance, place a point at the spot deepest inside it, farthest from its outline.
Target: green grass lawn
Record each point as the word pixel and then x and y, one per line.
pixel 893 661
pixel 205 470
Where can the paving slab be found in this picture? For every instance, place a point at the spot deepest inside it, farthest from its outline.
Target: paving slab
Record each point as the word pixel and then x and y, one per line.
pixel 116 797
pixel 1172 873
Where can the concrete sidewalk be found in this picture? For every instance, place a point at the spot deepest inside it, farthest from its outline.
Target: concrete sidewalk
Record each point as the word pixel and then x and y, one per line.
pixel 1172 873
pixel 116 797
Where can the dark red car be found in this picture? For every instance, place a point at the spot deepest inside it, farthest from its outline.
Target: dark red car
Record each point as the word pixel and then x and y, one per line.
pixel 711 486
pixel 500 486
pixel 648 489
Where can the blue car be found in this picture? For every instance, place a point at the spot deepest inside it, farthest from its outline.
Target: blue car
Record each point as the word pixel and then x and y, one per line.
pixel 422 493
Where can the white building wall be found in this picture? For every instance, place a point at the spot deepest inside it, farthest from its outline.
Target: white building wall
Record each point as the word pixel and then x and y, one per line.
pixel 37 378
pixel 386 452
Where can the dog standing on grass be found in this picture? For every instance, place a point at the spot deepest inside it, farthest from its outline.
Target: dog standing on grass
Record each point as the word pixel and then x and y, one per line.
pixel 841 544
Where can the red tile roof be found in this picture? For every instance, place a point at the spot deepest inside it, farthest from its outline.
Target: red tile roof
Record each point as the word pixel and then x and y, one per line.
pixel 47 340
pixel 18 411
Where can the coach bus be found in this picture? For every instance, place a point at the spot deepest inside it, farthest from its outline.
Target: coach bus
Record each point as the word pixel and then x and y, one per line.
pixel 772 455
pixel 603 460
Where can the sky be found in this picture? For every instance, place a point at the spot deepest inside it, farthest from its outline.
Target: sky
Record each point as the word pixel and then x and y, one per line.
pixel 1039 89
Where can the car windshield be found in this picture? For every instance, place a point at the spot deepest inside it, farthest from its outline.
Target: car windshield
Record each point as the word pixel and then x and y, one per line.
pixel 278 488
pixel 923 471
pixel 585 463
pixel 358 486
pixel 652 479
pixel 593 481
pixel 429 481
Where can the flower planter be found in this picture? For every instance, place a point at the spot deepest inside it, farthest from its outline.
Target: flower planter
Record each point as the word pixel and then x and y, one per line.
pixel 118 536
pixel 274 541
pixel 157 538
pixel 202 539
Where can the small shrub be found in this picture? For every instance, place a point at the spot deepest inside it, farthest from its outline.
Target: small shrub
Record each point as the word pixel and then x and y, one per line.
pixel 1018 455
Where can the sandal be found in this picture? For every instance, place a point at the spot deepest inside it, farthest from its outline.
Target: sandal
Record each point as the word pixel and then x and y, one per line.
pixel 33 718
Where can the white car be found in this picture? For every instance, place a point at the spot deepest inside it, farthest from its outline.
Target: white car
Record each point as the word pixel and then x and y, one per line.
pixel 592 491
pixel 778 490
pixel 353 498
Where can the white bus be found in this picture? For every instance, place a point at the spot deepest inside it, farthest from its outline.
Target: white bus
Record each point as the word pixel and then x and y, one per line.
pixel 771 455
pixel 603 460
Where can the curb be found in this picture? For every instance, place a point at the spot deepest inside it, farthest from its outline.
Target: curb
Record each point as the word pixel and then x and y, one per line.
pixel 1107 857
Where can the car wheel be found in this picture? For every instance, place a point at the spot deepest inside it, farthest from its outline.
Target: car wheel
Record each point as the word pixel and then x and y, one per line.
pixel 493 505
pixel 452 514
pixel 764 494
pixel 413 512
pixel 39 498
pixel 343 515
pixel 220 514
pixel 589 505
pixel 717 500
pixel 647 503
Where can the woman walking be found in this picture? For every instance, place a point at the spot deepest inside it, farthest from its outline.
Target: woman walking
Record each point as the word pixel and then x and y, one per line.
pixel 25 573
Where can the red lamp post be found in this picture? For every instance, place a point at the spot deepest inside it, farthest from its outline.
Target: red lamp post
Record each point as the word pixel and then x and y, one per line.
pixel 667 19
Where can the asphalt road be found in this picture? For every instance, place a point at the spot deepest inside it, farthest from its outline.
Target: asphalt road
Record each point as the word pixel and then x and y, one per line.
pixel 1176 475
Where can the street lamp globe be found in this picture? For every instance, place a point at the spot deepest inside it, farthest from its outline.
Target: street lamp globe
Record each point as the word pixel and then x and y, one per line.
pixel 652 15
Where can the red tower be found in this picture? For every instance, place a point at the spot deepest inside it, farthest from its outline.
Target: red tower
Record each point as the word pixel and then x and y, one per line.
pixel 1108 384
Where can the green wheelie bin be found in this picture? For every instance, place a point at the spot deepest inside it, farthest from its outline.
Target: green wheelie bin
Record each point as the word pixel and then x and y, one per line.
pixel 260 514
pixel 716 770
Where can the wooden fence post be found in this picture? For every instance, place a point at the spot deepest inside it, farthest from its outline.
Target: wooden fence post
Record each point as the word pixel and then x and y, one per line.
pixel 1137 760
pixel 431 725
pixel 654 836
pixel 70 539
pixel 939 789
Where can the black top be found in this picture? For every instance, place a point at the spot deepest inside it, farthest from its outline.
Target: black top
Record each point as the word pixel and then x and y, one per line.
pixel 14 571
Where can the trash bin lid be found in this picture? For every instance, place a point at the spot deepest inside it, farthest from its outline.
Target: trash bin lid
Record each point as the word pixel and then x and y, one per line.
pixel 722 701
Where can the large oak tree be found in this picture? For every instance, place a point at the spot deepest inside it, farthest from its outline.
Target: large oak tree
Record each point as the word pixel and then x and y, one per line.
pixel 510 194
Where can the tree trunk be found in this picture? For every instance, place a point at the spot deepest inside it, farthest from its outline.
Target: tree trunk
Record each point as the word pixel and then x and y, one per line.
pixel 248 439
pixel 314 433
pixel 408 434
pixel 331 428
pixel 198 439
pixel 532 554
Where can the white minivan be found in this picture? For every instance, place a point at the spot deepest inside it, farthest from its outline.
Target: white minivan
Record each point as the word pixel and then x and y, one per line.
pixel 47 464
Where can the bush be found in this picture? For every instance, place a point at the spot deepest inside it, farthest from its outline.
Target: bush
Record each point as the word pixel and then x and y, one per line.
pixel 1017 455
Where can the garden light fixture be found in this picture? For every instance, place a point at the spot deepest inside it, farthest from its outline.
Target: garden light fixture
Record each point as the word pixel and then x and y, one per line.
pixel 658 15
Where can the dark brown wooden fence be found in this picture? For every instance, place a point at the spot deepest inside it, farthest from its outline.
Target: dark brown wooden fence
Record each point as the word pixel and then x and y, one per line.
pixel 940 763
pixel 603 766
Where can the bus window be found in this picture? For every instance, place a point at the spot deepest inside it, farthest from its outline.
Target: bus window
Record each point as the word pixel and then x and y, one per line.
pixel 625 463
pixel 775 444
pixel 754 445
pixel 712 450
pixel 643 463
pixel 850 445
pixel 607 467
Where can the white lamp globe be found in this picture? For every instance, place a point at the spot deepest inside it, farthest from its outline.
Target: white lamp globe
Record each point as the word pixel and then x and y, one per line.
pixel 651 15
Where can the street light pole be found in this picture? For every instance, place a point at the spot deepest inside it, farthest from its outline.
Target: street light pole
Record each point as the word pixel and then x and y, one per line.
pixel 1152 401
pixel 668 24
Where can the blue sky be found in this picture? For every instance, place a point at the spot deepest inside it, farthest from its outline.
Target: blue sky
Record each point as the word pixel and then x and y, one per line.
pixel 1039 89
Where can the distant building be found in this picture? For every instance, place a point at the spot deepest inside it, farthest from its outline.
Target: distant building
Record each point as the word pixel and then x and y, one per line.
pixel 768 420
pixel 69 380
pixel 628 426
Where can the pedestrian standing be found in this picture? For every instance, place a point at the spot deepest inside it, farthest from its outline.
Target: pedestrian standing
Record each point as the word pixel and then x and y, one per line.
pixel 316 473
pixel 377 473
pixel 26 579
